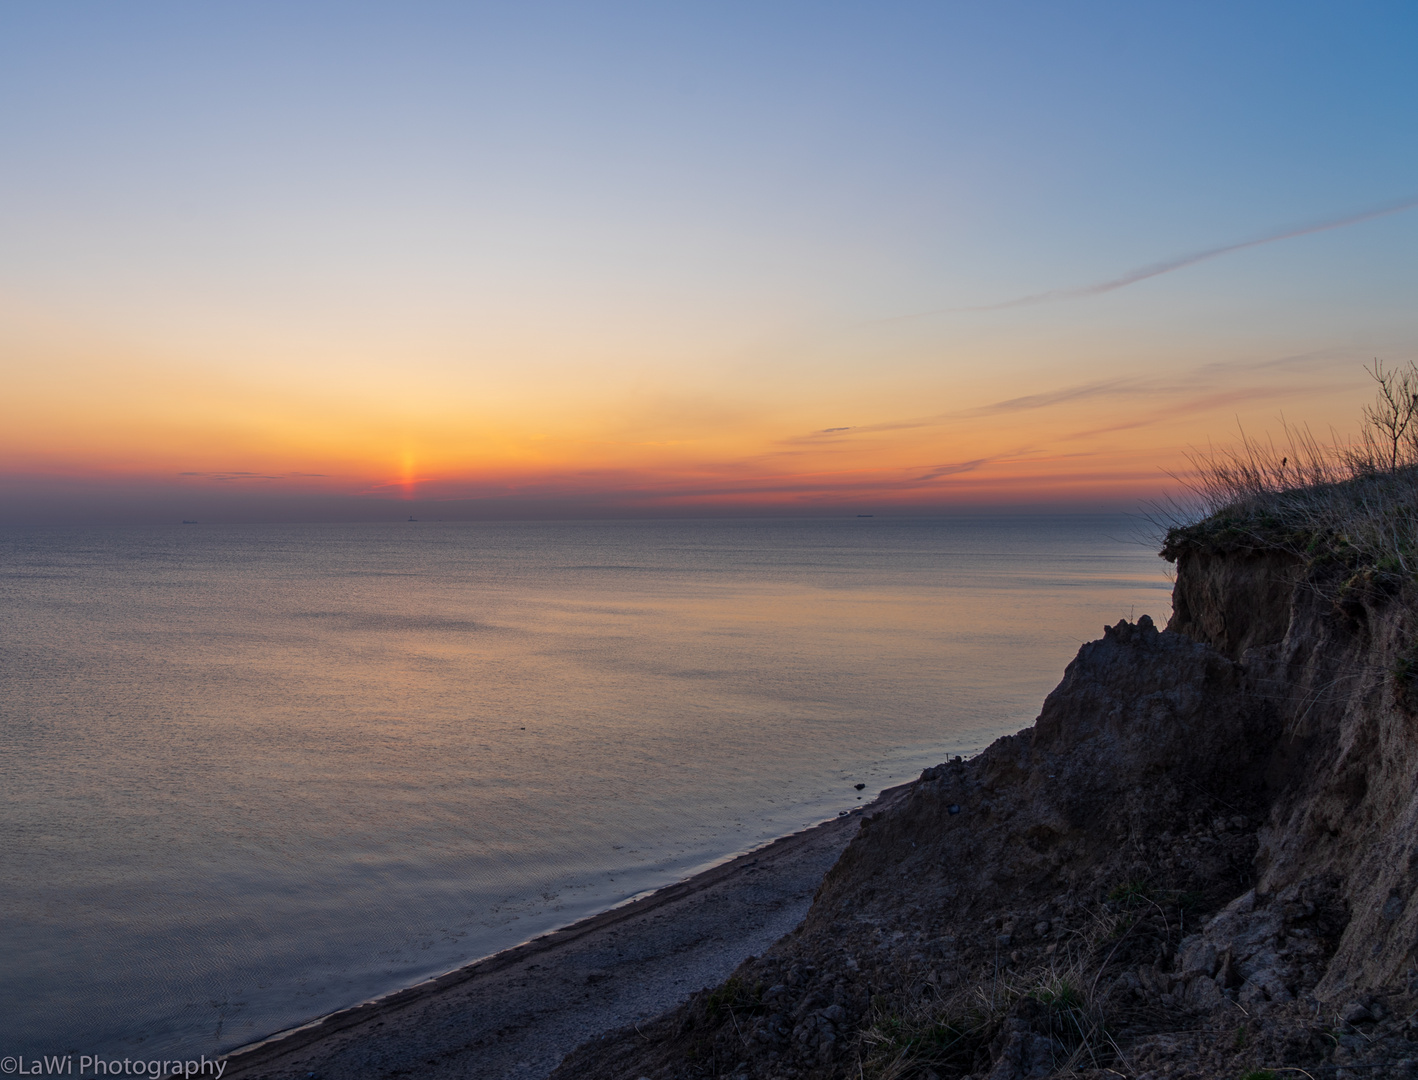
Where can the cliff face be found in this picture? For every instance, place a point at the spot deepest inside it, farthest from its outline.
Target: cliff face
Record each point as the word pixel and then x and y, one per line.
pixel 1329 663
pixel 1200 860
pixel 1233 601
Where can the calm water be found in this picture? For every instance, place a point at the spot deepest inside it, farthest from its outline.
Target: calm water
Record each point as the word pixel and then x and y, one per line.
pixel 254 774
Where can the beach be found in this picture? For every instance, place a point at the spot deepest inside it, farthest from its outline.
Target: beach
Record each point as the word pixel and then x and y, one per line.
pixel 517 1013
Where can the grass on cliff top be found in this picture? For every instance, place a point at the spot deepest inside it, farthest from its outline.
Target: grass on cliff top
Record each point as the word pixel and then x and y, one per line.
pixel 1355 501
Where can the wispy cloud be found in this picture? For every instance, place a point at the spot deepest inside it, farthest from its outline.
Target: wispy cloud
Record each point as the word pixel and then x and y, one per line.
pixel 1079 392
pixel 1083 391
pixel 1170 388
pixel 1200 404
pixel 237 475
pixel 1167 266
pixel 951 470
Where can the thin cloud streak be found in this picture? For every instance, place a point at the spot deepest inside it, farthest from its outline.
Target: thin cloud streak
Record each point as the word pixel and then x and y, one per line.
pixel 1166 267
pixel 1202 404
pixel 1107 388
pixel 227 477
pixel 1125 388
pixel 959 467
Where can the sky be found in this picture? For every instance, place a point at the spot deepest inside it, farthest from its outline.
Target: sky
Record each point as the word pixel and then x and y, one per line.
pixel 357 261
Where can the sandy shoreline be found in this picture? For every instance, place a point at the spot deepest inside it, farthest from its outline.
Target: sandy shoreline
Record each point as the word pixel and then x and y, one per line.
pixel 516 1013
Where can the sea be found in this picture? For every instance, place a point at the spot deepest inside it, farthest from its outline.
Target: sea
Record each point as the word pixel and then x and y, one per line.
pixel 252 774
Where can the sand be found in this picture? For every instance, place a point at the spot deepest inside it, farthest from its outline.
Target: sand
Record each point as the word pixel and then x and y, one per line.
pixel 517 1013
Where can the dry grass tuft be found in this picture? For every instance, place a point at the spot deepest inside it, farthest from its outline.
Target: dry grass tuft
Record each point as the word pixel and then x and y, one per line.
pixel 949 1036
pixel 1353 500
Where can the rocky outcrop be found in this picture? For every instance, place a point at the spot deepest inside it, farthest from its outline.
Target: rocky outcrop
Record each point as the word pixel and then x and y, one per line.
pixel 1201 860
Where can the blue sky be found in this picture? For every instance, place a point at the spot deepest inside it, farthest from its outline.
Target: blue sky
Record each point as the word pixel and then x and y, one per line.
pixel 567 221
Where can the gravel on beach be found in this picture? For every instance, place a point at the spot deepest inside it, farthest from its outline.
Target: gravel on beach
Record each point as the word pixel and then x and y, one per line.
pixel 518 1013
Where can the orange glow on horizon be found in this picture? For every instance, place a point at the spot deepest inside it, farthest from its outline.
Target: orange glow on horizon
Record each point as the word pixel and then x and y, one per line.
pixel 1009 430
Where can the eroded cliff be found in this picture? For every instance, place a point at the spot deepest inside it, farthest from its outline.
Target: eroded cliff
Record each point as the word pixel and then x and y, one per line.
pixel 1199 861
